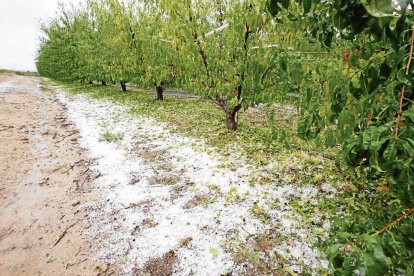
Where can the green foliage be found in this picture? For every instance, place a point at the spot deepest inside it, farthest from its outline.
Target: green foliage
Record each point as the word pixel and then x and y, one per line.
pixel 90 43
pixel 360 247
pixel 231 53
pixel 116 48
pixel 364 105
pixel 160 63
pixel 234 54
pixel 364 117
pixel 58 50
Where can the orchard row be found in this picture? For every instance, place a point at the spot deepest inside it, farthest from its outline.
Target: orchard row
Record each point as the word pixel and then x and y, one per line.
pixel 346 66
pixel 232 52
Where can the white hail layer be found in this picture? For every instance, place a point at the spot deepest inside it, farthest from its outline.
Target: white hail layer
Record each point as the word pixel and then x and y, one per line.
pixel 208 226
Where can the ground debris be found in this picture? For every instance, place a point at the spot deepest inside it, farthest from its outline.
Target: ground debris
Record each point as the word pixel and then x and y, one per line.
pixel 63 234
pixel 163 266
pixel 7 230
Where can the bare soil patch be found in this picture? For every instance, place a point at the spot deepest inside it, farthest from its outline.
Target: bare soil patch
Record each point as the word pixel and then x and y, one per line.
pixel 163 266
pixel 44 178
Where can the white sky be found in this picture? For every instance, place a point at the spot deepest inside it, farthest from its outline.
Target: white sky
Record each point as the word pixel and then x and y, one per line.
pixel 20 29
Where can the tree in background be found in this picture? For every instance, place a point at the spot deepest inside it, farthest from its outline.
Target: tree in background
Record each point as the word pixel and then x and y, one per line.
pixel 58 53
pixel 116 49
pixel 223 46
pixel 160 61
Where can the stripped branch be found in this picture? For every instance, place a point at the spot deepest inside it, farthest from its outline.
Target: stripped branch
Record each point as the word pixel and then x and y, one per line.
pixel 219 29
pixel 64 233
pixel 407 71
pixel 262 78
pixel 266 46
pixel 405 214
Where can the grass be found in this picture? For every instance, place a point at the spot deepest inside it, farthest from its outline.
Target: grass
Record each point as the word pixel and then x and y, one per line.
pixel 21 73
pixel 110 137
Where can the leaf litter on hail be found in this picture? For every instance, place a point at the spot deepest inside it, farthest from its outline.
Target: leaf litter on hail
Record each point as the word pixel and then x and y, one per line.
pixel 159 195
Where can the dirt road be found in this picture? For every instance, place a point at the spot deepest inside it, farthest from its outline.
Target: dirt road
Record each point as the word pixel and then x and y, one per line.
pixel 43 179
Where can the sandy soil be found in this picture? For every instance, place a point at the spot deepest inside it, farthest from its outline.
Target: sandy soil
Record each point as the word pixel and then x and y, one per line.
pixel 44 178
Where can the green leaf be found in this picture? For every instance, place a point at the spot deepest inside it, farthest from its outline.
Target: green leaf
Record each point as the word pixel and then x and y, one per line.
pixel 214 252
pixel 409 114
pixel 366 264
pixel 273 7
pixel 285 3
pixel 330 139
pixel 391 151
pixel 379 8
pixel 404 78
pixel 339 100
pixel 408 146
pixel 333 251
pixel 307 4
pixel 379 254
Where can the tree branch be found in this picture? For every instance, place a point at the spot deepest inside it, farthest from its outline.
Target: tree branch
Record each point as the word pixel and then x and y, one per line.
pixel 264 74
pixel 407 70
pixel 405 214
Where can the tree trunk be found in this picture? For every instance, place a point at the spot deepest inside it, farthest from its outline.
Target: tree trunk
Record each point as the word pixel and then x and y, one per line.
pixel 231 120
pixel 123 86
pixel 103 83
pixel 230 112
pixel 160 90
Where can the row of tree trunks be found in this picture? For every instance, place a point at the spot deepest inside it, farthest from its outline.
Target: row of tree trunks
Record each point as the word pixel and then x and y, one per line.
pixel 230 112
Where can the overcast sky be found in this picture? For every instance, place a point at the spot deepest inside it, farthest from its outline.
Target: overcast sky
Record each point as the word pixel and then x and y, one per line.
pixel 20 29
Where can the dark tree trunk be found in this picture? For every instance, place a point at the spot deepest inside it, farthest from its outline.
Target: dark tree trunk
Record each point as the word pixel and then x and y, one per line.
pixel 123 86
pixel 231 120
pixel 103 83
pixel 160 90
pixel 230 112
